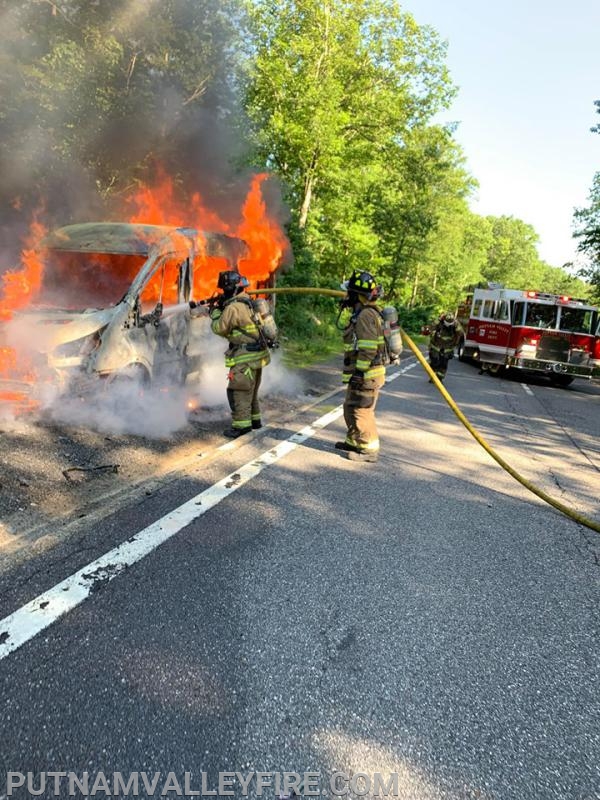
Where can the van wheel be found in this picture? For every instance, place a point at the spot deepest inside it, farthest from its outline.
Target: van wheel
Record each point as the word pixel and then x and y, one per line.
pixel 561 380
pixel 133 375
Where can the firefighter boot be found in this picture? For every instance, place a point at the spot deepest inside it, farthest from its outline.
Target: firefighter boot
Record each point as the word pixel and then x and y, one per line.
pixel 234 433
pixel 362 455
pixel 256 424
pixel 346 446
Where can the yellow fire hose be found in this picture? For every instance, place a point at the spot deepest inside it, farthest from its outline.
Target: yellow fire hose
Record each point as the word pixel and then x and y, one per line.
pixel 569 512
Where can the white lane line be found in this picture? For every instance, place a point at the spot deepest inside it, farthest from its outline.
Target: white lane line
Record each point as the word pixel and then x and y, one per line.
pixel 527 389
pixel 394 375
pixel 32 618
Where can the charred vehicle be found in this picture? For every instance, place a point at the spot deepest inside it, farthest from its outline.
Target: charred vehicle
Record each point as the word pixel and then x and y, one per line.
pixel 114 303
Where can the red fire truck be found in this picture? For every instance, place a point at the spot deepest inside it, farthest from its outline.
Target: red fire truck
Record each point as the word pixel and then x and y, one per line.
pixel 596 354
pixel 531 331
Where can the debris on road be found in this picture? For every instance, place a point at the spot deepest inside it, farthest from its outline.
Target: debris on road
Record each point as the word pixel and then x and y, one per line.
pixel 104 467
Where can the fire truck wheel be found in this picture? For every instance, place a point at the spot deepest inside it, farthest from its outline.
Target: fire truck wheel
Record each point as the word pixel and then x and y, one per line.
pixel 461 351
pixel 495 369
pixel 561 380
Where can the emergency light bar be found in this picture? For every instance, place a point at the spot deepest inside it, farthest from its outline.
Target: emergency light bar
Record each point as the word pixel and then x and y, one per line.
pixel 563 298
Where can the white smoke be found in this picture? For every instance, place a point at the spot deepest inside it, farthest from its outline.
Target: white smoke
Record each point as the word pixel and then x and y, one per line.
pixel 124 408
pixel 128 406
pixel 279 380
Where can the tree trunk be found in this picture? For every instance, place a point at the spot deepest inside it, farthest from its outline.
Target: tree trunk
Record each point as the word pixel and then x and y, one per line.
pixel 415 286
pixel 305 207
pixel 309 182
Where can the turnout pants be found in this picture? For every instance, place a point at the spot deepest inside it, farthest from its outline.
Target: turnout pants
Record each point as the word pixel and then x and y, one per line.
pixel 359 414
pixel 242 395
pixel 438 360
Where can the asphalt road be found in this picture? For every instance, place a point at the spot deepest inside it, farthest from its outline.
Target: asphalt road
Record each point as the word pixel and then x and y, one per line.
pixel 424 616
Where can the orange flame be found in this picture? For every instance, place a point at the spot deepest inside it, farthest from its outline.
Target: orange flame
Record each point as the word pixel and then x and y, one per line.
pixel 162 203
pixel 19 287
pixel 263 235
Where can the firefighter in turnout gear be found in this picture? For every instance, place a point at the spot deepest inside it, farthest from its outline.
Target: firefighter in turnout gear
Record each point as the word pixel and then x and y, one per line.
pixel 236 320
pixel 364 366
pixel 444 338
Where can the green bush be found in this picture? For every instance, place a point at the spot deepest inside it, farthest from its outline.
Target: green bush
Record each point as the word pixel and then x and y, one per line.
pixel 413 319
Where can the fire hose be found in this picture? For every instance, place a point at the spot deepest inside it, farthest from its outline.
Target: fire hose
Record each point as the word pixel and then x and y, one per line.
pixel 564 509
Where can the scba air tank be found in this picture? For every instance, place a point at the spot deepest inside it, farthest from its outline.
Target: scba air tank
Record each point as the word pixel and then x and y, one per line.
pixel 391 332
pixel 263 310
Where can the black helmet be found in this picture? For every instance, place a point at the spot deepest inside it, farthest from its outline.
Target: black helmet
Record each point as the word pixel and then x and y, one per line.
pixel 362 283
pixel 231 282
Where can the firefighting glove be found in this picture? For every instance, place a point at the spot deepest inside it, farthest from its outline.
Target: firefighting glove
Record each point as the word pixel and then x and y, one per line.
pixel 356 381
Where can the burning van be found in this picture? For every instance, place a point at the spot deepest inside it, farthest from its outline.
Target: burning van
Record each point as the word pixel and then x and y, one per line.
pixel 113 303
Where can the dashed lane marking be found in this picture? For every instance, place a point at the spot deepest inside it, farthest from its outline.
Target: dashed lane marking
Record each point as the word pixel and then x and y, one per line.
pixel 527 389
pixel 37 615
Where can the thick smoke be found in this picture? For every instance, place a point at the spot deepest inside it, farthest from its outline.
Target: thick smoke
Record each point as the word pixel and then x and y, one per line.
pixel 96 98
pixel 158 412
pixel 95 95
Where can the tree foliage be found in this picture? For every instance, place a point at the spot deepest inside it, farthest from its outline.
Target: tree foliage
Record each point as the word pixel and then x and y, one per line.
pixel 587 231
pixel 108 86
pixel 338 98
pixel 343 95
pixel 336 90
pixel 586 223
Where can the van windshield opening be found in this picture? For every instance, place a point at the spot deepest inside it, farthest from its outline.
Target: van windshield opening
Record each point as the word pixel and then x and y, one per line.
pixel 77 281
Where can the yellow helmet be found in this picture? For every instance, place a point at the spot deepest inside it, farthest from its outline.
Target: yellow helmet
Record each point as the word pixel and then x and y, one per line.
pixel 362 282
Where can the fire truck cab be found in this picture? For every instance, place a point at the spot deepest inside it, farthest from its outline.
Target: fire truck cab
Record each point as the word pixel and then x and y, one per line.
pixel 531 331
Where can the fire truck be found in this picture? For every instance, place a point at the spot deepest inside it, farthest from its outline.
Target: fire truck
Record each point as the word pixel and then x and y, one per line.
pixel 548 334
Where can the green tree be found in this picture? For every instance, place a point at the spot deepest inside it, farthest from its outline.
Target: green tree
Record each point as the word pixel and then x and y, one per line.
pixel 335 89
pixel 110 86
pixel 457 255
pixel 586 228
pixel 587 231
pixel 558 281
pixel 429 186
pixel 512 257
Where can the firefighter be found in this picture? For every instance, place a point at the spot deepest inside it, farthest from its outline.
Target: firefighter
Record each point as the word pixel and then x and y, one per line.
pixel 444 338
pixel 364 366
pixel 235 319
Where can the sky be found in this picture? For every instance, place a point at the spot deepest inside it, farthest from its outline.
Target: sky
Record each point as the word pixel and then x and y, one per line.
pixel 528 74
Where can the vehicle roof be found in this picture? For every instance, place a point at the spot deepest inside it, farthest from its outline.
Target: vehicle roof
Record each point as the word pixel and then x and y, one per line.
pixel 532 297
pixel 127 238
